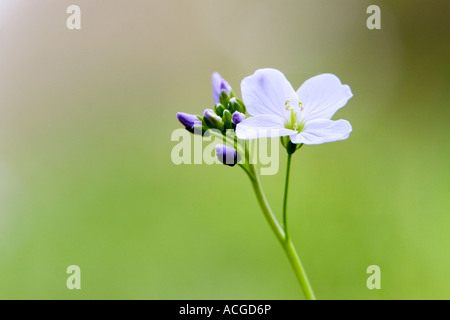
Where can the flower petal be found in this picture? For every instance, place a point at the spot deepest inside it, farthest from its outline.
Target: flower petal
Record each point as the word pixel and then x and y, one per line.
pixel 322 130
pixel 264 126
pixel 266 92
pixel 322 96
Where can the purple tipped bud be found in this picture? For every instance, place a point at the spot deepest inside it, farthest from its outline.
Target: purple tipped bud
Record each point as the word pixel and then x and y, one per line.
pixel 212 120
pixel 236 105
pixel 227 155
pixel 188 120
pixel 210 114
pixel 237 117
pixel 219 85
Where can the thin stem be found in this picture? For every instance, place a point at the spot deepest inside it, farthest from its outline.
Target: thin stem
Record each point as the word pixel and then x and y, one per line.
pixel 264 204
pixel 280 234
pixel 299 271
pixel 286 187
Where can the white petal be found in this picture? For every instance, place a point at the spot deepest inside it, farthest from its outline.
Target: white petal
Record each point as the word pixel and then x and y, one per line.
pixel 266 92
pixel 322 96
pixel 321 131
pixel 264 126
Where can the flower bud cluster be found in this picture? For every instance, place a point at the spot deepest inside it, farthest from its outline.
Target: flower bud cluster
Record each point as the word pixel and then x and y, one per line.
pixel 227 113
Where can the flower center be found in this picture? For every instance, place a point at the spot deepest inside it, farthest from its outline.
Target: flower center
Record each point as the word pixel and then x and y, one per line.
pixel 293 123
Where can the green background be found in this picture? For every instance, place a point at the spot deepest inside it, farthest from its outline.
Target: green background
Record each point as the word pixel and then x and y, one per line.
pixel 86 176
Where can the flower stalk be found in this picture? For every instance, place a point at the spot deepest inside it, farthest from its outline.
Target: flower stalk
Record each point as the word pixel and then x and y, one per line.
pixel 281 232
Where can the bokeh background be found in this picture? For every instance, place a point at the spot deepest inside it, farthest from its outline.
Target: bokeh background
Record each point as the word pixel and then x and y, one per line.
pixel 86 176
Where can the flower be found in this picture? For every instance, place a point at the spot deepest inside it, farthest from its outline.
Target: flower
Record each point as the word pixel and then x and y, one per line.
pixel 227 155
pixel 304 115
pixel 219 85
pixel 189 121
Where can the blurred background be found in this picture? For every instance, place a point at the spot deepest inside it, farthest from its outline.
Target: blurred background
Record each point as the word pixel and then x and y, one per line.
pixel 86 176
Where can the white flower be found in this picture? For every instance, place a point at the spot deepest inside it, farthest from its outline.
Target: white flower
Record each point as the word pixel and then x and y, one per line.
pixel 278 111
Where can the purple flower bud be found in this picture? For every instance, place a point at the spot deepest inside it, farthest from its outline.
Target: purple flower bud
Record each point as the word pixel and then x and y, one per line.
pixel 212 120
pixel 188 120
pixel 210 114
pixel 227 155
pixel 219 84
pixel 237 117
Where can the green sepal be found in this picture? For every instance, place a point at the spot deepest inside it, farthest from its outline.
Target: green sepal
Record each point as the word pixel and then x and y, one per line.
pixel 227 116
pixel 231 107
pixel 205 127
pixel 215 122
pixel 224 98
pixel 219 109
pixel 290 147
pixel 240 106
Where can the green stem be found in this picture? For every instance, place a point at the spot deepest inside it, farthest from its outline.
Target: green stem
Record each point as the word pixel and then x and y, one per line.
pixel 286 187
pixel 280 232
pixel 264 204
pixel 300 273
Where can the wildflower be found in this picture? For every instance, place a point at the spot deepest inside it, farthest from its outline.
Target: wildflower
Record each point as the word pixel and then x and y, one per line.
pixel 304 116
